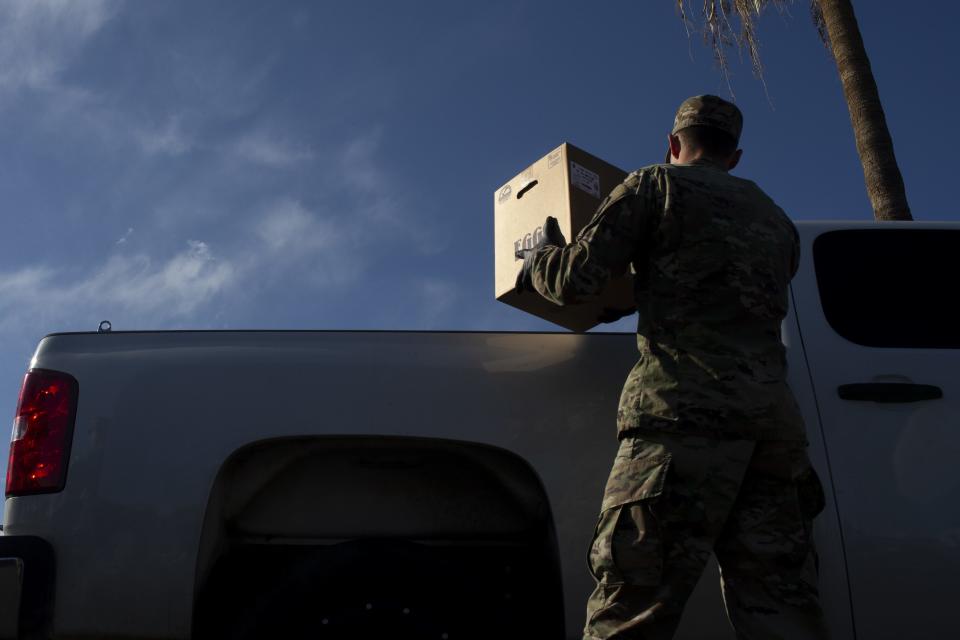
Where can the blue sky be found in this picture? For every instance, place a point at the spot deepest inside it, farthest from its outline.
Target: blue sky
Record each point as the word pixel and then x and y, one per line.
pixel 241 164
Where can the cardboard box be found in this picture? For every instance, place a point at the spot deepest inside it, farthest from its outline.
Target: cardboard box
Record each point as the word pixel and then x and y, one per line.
pixel 568 184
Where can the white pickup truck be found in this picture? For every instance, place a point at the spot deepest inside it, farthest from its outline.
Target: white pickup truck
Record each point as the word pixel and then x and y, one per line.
pixel 334 484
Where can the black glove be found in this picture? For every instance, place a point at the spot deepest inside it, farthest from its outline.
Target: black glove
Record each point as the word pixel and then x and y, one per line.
pixel 552 237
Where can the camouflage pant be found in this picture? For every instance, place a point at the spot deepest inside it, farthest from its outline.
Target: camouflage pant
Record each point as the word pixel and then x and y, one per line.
pixel 670 501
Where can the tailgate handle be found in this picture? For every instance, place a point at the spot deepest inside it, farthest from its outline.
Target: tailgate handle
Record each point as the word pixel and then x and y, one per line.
pixel 889 392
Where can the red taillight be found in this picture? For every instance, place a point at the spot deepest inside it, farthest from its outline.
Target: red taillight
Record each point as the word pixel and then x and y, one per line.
pixel 42 432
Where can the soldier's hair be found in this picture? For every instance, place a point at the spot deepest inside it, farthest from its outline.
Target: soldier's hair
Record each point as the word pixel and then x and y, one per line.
pixel 713 142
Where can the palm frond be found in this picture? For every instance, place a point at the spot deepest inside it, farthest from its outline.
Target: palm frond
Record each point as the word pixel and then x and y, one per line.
pixel 732 24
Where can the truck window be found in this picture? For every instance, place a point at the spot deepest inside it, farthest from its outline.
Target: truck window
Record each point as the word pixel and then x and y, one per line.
pixel 891 288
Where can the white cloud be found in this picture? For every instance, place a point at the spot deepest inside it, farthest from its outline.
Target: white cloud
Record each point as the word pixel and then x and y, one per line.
pixel 144 291
pixel 126 236
pixel 317 250
pixel 287 227
pixel 24 285
pixel 359 165
pixel 361 168
pixel 283 242
pixel 437 298
pixel 287 243
pixel 39 40
pixel 174 288
pixel 272 150
pixel 166 140
pixel 39 37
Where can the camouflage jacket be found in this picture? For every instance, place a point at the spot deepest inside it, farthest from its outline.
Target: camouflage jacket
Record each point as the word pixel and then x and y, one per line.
pixel 713 257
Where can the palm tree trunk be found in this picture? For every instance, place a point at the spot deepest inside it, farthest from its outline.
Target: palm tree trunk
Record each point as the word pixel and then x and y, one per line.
pixel 880 170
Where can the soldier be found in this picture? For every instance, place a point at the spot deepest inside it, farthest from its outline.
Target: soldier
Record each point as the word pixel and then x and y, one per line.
pixel 712 450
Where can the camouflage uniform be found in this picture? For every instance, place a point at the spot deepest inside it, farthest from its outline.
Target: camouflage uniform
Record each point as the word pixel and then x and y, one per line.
pixel 713 447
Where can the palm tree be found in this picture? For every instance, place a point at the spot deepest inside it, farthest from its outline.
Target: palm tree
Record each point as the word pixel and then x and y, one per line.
pixel 837 26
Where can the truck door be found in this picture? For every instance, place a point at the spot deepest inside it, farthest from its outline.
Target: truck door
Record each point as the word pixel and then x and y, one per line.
pixel 880 323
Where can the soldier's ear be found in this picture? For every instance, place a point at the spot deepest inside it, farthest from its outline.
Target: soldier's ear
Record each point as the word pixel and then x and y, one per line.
pixel 674 144
pixel 734 159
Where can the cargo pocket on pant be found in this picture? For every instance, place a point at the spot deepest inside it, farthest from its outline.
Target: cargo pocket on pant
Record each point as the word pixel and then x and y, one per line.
pixel 627 544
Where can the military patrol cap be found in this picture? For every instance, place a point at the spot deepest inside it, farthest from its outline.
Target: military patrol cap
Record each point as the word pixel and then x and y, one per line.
pixel 709 111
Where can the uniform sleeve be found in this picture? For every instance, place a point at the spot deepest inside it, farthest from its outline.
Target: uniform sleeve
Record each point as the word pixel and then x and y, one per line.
pixel 614 237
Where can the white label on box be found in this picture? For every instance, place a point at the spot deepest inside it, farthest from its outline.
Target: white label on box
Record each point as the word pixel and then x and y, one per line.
pixel 584 179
